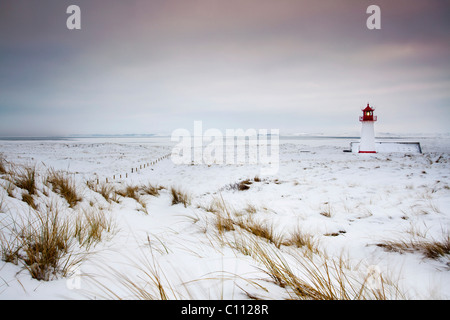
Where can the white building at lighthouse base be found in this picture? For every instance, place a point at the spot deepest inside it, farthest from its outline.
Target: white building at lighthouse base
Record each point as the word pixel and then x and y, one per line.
pixel 390 146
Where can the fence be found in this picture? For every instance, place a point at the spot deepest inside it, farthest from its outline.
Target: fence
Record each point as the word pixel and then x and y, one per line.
pixel 134 170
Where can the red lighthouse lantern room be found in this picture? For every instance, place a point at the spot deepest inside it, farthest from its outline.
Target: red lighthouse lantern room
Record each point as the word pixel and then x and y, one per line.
pixel 368 114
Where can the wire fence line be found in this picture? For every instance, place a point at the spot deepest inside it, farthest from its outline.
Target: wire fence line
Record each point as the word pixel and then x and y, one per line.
pixel 130 172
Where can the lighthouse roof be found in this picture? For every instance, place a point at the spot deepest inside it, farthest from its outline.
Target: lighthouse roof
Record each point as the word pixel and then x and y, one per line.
pixel 368 108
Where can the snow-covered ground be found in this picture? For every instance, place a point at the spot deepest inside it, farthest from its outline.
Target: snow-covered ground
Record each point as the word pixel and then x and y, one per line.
pixel 349 203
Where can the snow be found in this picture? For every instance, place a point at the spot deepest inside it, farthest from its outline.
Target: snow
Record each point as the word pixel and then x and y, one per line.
pixel 369 199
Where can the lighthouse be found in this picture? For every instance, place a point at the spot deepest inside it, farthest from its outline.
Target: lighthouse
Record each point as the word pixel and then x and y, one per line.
pixel 367 144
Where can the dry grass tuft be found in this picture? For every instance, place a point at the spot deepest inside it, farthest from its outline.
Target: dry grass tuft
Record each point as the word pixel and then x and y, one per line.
pixel 25 178
pixel 107 191
pixel 90 226
pixel 28 199
pixel 129 192
pixel 10 248
pixel 244 185
pixel 240 186
pixel 135 192
pixel 327 210
pixel 179 196
pixel 250 209
pixel 45 243
pixel 2 165
pixel 224 222
pixel 9 187
pixel 227 219
pixel 64 185
pixel 143 205
pixel 432 249
pixel 151 189
pixel 42 243
pixel 260 229
pixel 318 277
pixel 301 239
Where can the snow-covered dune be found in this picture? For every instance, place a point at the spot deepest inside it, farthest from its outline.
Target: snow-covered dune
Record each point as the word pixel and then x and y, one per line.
pixel 375 212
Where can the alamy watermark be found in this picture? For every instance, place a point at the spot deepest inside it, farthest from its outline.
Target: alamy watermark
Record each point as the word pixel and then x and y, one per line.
pixel 374 279
pixel 73 281
pixel 235 146
pixel 374 20
pixel 74 20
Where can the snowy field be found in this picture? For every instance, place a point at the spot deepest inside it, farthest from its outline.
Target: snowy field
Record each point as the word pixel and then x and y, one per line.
pixel 350 225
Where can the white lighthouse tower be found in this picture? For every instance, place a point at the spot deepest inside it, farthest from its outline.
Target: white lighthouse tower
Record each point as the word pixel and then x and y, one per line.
pixel 367 144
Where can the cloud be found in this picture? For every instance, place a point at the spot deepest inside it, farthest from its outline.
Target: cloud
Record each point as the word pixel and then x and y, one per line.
pixel 159 64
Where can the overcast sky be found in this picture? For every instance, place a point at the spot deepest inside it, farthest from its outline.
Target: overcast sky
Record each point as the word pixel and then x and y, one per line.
pixel 152 66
